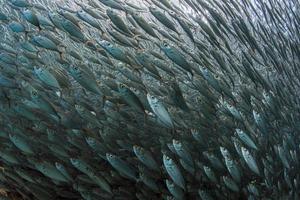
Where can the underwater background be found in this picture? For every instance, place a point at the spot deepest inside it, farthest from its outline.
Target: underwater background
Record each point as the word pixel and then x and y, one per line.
pixel 149 99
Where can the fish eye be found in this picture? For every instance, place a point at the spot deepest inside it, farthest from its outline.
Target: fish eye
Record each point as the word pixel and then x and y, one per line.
pixel 34 93
pixel 165 44
pixel 122 86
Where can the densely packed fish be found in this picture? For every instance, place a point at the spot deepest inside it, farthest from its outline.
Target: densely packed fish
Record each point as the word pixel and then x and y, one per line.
pixel 150 99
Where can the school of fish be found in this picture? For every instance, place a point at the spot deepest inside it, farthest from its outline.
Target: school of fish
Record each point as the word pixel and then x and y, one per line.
pixel 149 99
